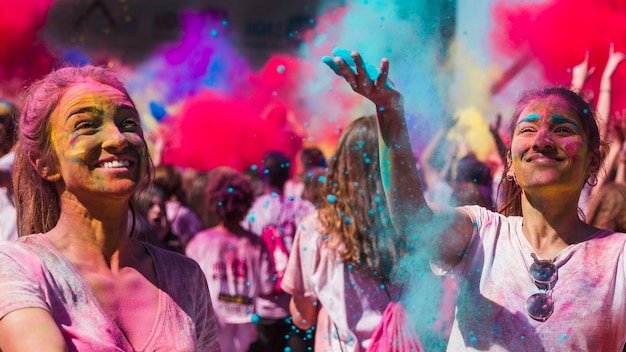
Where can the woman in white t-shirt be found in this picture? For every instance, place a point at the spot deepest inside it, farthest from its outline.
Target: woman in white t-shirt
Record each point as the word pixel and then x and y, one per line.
pixel 235 261
pixel 534 276
pixel 339 270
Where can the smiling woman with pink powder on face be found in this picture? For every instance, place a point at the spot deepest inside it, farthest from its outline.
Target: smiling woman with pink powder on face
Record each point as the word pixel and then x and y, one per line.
pixel 76 279
pixel 533 276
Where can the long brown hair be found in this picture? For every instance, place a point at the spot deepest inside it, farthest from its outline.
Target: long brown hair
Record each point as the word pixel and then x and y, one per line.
pixel 38 203
pixel 354 213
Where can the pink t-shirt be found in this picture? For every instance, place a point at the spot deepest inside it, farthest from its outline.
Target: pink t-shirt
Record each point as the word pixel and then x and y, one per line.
pixel 494 284
pixel 352 302
pixel 272 209
pixel 35 275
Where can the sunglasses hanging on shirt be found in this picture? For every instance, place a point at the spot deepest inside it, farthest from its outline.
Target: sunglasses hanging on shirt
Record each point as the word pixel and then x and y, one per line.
pixel 544 274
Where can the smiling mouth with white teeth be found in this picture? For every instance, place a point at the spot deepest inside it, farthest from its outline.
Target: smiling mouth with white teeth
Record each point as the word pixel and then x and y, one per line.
pixel 115 164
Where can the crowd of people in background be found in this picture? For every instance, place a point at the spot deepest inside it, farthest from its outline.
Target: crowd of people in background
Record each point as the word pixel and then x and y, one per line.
pixel 284 258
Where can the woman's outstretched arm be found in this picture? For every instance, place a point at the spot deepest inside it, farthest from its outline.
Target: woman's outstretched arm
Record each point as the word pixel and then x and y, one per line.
pixel 408 208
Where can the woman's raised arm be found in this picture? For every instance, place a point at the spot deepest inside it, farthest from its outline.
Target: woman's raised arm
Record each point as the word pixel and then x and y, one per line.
pixel 407 206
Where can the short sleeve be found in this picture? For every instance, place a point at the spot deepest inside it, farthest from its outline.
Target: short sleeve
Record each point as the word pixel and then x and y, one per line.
pixel 303 259
pixel 22 279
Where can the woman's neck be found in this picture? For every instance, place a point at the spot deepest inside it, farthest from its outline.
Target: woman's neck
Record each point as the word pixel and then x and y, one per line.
pixel 89 232
pixel 551 227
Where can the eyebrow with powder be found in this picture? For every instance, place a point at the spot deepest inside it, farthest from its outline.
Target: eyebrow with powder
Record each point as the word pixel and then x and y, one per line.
pixel 90 109
pixel 529 118
pixel 558 119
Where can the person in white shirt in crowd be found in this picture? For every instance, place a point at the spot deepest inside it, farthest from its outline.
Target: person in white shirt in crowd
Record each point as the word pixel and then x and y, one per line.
pixel 235 261
pixel 275 208
pixel 533 276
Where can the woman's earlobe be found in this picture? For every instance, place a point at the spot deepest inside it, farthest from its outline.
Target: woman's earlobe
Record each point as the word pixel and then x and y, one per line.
pixel 510 176
pixel 52 177
pixel 45 171
pixel 594 164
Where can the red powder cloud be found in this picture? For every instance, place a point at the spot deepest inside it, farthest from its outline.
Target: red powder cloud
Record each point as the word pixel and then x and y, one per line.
pixel 558 33
pixel 22 55
pixel 216 129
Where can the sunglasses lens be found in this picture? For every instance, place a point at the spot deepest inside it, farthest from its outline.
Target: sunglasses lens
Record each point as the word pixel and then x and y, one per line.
pixel 543 272
pixel 540 306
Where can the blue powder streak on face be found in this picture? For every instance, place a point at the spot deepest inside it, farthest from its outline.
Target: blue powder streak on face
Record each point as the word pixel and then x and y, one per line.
pixel 558 119
pixel 529 118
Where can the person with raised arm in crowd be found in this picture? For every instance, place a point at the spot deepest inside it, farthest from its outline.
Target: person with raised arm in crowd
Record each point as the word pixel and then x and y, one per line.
pixel 533 276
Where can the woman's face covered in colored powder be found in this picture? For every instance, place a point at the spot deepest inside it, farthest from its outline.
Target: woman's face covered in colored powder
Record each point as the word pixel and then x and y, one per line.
pixel 98 140
pixel 549 148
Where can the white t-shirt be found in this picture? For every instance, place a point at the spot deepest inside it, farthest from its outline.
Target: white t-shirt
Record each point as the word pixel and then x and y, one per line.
pixel 272 209
pixel 352 302
pixel 238 270
pixel 8 216
pixel 494 284
pixel 294 188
